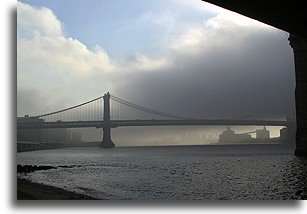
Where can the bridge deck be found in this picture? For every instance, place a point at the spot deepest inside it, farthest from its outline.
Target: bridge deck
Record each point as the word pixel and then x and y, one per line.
pixel 117 123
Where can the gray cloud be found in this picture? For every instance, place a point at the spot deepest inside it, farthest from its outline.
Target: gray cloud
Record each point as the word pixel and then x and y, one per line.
pixel 244 71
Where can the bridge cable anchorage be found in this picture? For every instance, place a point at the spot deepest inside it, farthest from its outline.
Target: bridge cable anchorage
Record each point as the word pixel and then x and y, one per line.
pixel 148 110
pixel 78 111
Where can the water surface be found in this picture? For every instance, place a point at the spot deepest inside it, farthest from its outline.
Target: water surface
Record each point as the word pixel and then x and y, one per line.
pixel 178 172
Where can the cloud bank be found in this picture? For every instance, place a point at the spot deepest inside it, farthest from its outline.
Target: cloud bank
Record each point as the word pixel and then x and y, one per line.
pixel 224 69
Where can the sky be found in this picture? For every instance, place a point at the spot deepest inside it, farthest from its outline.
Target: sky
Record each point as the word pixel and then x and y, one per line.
pixel 186 57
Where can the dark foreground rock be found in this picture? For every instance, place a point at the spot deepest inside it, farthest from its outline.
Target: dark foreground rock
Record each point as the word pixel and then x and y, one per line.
pixel 32 191
pixel 31 168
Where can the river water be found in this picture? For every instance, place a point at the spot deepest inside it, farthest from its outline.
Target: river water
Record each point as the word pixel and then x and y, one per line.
pixel 178 172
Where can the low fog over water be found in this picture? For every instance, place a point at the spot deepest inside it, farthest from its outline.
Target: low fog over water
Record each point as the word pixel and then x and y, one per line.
pixel 163 135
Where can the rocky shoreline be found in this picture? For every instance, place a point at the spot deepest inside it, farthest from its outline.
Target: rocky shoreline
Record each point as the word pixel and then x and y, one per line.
pixel 27 190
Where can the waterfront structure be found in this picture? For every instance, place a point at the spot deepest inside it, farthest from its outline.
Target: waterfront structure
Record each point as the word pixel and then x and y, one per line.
pixel 230 137
pixel 45 135
pixel 30 135
pixel 262 134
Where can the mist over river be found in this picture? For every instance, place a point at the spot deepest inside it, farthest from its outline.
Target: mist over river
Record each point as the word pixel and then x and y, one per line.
pixel 173 172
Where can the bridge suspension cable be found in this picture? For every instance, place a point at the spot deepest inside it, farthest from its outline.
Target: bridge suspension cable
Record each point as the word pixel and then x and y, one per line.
pixel 87 111
pixel 70 108
pixel 145 109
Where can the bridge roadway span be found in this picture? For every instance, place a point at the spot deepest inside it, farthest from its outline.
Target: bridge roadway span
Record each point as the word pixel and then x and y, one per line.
pixel 117 123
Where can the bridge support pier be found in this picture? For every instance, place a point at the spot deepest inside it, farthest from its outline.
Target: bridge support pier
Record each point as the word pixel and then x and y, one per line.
pixel 299 46
pixel 106 140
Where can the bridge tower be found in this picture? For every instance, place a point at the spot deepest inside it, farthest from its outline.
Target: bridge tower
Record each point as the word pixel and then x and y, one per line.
pixel 106 140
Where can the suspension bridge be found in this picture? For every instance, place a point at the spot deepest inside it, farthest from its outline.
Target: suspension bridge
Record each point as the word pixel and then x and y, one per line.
pixel 98 113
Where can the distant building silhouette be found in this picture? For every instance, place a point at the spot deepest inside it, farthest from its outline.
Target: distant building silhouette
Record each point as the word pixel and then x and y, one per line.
pixel 33 135
pixel 46 135
pixel 230 137
pixel 262 134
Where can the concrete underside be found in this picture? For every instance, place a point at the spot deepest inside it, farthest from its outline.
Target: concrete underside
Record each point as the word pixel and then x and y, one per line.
pixel 299 45
pixel 287 15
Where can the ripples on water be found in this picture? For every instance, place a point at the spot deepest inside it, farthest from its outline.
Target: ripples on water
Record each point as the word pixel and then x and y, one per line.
pixel 193 172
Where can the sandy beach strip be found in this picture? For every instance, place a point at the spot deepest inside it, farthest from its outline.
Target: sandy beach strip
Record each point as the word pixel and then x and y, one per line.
pixel 27 190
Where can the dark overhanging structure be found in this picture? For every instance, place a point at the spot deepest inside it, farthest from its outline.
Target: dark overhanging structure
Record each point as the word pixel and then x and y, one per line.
pixel 290 16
